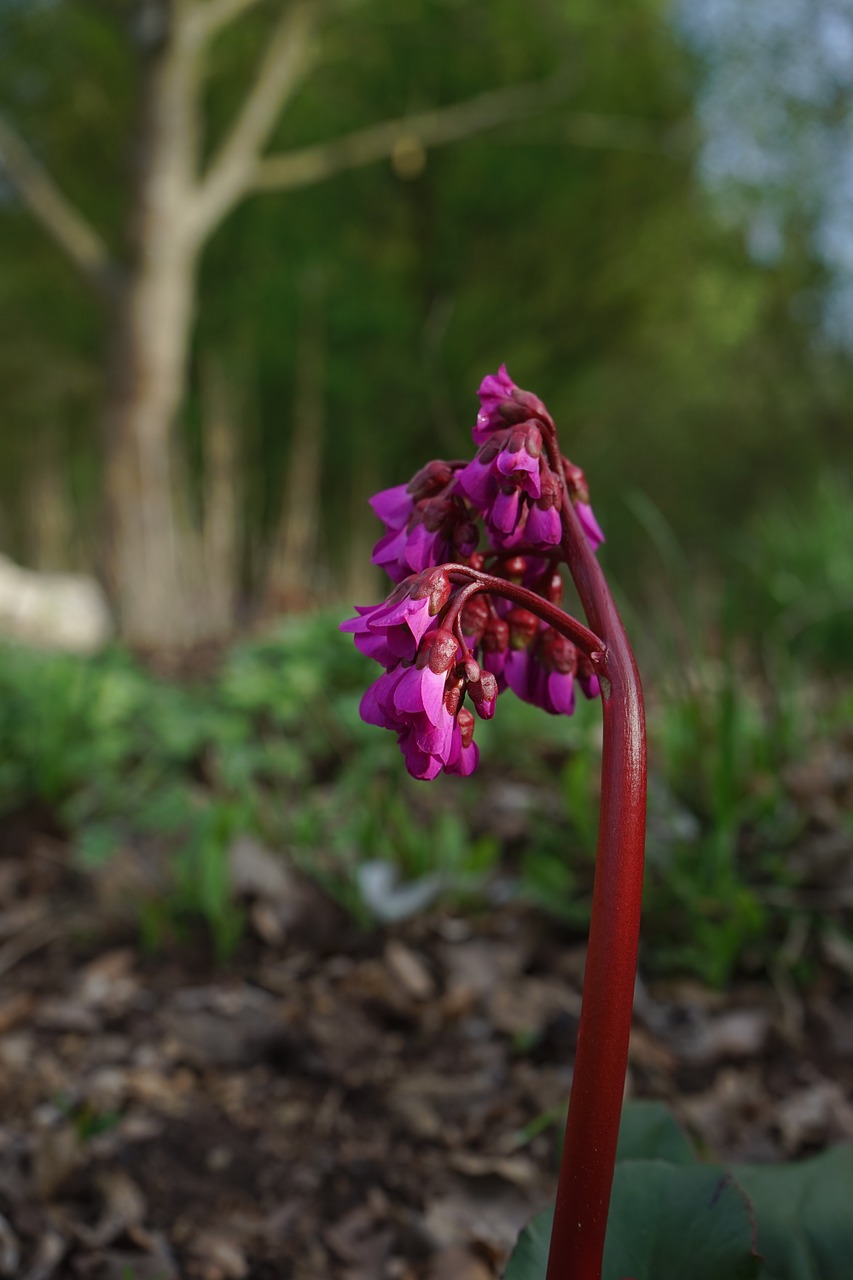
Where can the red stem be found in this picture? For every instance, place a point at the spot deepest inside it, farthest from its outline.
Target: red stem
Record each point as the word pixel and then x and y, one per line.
pixel 585 640
pixel 595 1106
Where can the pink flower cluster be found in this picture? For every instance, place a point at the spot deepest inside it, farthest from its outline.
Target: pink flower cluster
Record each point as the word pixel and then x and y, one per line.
pixel 426 679
pixel 437 649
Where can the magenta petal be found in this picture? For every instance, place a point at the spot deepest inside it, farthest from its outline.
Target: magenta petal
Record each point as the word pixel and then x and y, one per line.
pixel 543 526
pixel 590 686
pixel 504 512
pixel 388 554
pixel 421 691
pixel 522 468
pixel 420 551
pixel 477 483
pixel 376 704
pixel 420 764
pixel 393 506
pixel 494 389
pixel 466 762
pixel 591 527
pixel 518 673
pixel 561 693
pixel 436 738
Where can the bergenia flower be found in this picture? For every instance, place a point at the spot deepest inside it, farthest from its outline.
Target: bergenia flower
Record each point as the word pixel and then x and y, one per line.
pixel 390 632
pixel 503 403
pixel 393 506
pixel 495 389
pixel 464 753
pixel 591 527
pixel 415 701
pixel 438 530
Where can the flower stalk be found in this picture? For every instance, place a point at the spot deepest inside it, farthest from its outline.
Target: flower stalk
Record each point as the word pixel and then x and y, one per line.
pixel 452 630
pixel 595 1105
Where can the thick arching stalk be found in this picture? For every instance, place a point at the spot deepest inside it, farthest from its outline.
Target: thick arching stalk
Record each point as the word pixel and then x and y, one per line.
pixel 595 1106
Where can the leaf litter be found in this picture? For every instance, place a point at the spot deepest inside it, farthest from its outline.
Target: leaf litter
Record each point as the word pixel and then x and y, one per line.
pixel 344 1104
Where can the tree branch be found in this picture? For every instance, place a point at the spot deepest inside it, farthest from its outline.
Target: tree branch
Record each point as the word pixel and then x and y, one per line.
pixel 307 165
pixel 232 171
pixel 205 19
pixel 64 224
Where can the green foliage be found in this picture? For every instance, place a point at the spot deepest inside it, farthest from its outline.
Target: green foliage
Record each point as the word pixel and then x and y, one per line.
pixel 273 745
pixel 576 245
pixel 797 593
pixel 805 1228
pixel 671 1216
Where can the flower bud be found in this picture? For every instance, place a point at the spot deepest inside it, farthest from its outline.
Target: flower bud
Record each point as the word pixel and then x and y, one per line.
pixel 434 513
pixel 554 590
pixel 430 480
pixel 465 720
pixel 437 650
pixel 469 670
pixel 552 493
pixel 483 694
pixel 523 628
pixel 556 653
pixel 496 636
pixel 526 436
pixel 433 584
pixel 490 450
pixel 575 482
pixel 466 535
pixel 453 693
pixel 475 616
pixel 515 567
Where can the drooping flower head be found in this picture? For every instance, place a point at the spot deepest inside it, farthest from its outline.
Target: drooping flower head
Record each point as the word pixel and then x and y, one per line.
pixel 438 651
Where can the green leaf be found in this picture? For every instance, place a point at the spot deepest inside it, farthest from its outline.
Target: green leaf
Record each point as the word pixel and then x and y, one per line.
pixel 530 1256
pixel 649 1131
pixel 671 1221
pixel 804 1213
pixel 667 1222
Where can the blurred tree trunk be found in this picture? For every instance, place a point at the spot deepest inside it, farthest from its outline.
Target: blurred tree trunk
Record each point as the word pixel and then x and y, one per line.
pixel 154 557
pixel 292 576
pixel 220 529
pixel 152 309
pixel 50 521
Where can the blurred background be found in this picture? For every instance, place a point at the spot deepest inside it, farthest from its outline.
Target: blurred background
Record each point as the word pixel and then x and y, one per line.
pixel 268 1006
pixel 255 258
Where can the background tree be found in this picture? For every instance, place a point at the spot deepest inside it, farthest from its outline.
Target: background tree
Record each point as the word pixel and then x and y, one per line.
pixel 575 243
pixel 177 198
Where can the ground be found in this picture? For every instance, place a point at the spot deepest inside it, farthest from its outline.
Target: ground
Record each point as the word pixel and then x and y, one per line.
pixel 338 1103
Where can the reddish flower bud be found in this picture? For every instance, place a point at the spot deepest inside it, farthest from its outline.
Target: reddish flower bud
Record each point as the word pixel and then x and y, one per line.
pixel 466 535
pixel 515 567
pixel 556 653
pixel 435 513
pixel 483 694
pixel 453 694
pixel 496 636
pixel 432 584
pixel 475 616
pixel 490 450
pixel 430 480
pixel 465 720
pixel 554 589
pixel 437 650
pixel 526 436
pixel 523 628
pixel 469 670
pixel 575 482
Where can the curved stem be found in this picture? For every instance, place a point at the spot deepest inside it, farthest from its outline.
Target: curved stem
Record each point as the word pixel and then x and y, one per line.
pixel 584 639
pixel 595 1106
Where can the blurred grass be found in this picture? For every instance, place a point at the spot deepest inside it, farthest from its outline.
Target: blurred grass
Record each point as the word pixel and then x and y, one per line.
pixel 272 746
